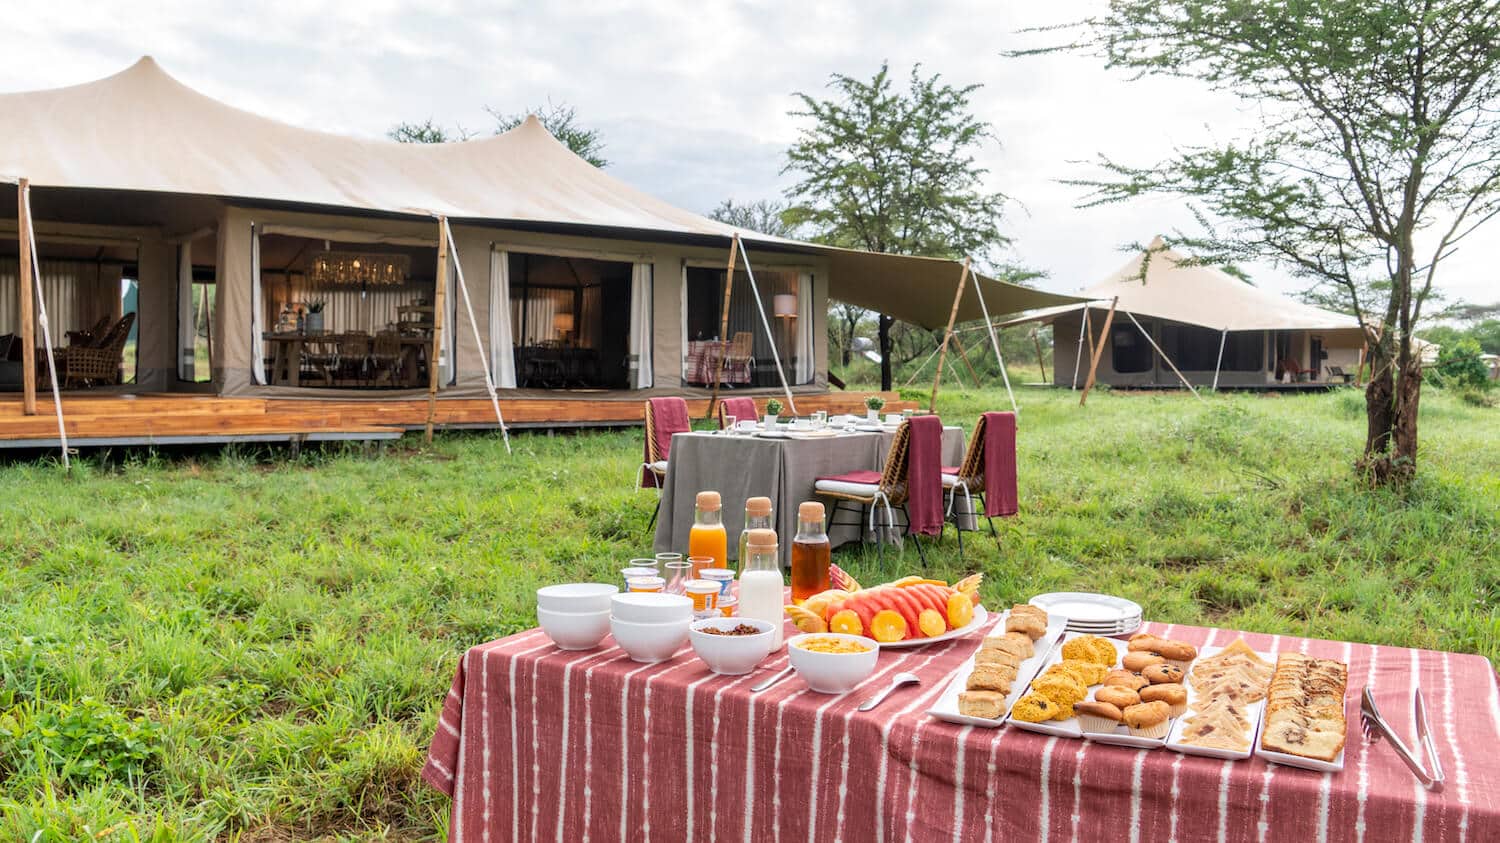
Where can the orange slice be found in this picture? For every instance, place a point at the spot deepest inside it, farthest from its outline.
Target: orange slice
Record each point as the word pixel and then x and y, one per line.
pixel 846 622
pixel 887 626
pixel 932 623
pixel 960 610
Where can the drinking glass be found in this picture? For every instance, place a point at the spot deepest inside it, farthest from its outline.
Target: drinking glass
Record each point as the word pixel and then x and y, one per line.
pixel 699 563
pixel 729 425
pixel 665 559
pixel 678 573
pixel 645 562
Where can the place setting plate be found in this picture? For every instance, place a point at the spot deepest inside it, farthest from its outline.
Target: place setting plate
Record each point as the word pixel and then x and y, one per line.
pixel 945 707
pixel 1096 614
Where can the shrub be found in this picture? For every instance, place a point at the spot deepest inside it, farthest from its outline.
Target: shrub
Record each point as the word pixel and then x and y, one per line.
pixel 1459 366
pixel 89 742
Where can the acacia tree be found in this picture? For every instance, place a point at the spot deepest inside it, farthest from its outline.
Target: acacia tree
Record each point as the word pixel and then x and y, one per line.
pixel 893 171
pixel 561 120
pixel 1377 152
pixel 766 216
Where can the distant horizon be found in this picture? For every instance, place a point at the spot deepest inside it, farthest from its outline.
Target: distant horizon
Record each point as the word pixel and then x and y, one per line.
pixel 691 104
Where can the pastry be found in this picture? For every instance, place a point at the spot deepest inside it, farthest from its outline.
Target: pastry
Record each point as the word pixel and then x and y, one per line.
pixel 1170 649
pixel 1028 623
pixel 1225 685
pixel 991 677
pixel 1008 643
pixel 1091 648
pixel 992 655
pixel 1139 660
pixel 1061 689
pixel 987 704
pixel 1305 707
pixel 1170 693
pixel 1023 641
pixel 1117 696
pixel 1148 719
pixel 1125 679
pixel 1097 716
pixel 1089 673
pixel 1033 708
pixel 1161 674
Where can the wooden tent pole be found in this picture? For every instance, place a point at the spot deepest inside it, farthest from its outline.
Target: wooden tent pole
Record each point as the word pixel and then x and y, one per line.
pixel 937 380
pixel 439 304
pixel 28 305
pixel 1359 370
pixel 713 402
pixel 1098 351
pixel 962 355
pixel 1041 364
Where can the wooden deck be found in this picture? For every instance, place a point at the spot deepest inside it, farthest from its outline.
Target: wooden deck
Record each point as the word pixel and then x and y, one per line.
pixel 180 419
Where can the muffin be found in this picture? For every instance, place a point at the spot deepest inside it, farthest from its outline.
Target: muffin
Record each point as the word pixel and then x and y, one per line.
pixel 1171 693
pixel 1125 679
pixel 1163 674
pixel 1097 716
pixel 1149 719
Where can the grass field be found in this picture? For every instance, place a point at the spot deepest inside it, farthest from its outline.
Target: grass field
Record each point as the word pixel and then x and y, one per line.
pixel 241 647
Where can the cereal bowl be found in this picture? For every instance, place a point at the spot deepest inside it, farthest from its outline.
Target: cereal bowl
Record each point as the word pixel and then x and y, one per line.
pixel 649 643
pixel 651 608
pixel 574 630
pixel 731 655
pixel 583 597
pixel 833 672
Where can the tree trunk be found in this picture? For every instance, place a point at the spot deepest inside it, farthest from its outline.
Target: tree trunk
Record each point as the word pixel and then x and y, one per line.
pixel 1391 405
pixel 885 352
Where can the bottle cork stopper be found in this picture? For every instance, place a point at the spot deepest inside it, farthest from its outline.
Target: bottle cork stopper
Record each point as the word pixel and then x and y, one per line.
pixel 810 511
pixel 759 507
pixel 709 501
pixel 760 538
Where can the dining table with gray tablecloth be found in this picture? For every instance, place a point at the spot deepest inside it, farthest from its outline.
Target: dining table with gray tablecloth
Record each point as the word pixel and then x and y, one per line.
pixel 743 466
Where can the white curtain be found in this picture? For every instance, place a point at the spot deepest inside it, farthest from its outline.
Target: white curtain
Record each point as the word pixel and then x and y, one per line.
pixel 682 308
pixel 502 343
pixel 77 294
pixel 257 312
pixel 187 326
pixel 806 352
pixel 450 325
pixel 641 328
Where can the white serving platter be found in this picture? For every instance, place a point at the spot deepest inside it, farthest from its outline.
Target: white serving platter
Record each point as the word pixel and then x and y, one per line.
pixel 1071 728
pixel 1254 712
pixel 1282 758
pixel 945 707
pixel 812 434
pixel 980 617
pixel 1083 607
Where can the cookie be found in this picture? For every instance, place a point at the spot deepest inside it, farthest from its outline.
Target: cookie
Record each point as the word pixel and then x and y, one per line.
pixel 1162 674
pixel 1125 679
pixel 1117 696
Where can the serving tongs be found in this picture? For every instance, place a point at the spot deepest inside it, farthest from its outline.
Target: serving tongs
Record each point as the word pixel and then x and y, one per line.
pixel 1376 726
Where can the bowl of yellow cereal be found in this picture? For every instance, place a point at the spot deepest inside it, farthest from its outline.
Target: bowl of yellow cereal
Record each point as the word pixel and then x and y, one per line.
pixel 832 662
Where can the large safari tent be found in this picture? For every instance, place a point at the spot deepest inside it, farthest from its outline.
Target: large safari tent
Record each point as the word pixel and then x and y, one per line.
pixel 570 292
pixel 1214 328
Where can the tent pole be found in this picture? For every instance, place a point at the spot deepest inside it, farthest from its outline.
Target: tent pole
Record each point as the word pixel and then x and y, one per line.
pixel 1083 330
pixel 713 403
pixel 439 303
pixel 1359 370
pixel 1164 356
pixel 489 382
pixel 1098 351
pixel 963 279
pixel 963 355
pixel 760 307
pixel 34 268
pixel 1219 364
pixel 989 326
pixel 28 307
pixel 1041 363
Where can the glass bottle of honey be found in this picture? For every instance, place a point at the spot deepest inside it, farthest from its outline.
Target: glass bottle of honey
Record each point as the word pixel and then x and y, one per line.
pixel 757 517
pixel 708 538
pixel 811 553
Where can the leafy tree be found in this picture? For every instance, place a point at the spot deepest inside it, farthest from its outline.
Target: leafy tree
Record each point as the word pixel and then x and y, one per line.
pixel 893 171
pixel 561 120
pixel 766 216
pixel 1459 365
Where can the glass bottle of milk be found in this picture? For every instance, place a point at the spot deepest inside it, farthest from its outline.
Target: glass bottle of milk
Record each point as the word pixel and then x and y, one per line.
pixel 762 594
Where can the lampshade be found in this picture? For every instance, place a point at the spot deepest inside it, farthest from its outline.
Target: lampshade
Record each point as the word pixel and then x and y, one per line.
pixel 785 304
pixel 562 322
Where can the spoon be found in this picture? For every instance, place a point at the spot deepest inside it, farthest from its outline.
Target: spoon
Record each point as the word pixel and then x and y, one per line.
pixel 772 681
pixel 896 682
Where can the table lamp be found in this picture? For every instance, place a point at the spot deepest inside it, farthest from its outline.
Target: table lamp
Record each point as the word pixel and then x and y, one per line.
pixel 563 324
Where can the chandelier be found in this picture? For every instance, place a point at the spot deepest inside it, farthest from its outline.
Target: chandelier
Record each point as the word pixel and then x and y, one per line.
pixel 359 268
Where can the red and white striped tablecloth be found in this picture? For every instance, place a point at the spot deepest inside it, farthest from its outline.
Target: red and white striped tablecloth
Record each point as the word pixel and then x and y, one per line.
pixel 538 743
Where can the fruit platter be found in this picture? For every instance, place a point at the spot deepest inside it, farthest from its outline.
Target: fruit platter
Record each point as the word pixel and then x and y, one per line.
pixel 909 612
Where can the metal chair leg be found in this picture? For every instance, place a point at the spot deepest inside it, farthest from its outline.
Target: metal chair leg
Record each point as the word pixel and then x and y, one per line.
pixel 652 524
pixel 915 539
pixel 960 533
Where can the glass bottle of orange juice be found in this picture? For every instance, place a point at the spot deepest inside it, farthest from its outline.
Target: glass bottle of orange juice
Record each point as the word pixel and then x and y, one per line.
pixel 708 539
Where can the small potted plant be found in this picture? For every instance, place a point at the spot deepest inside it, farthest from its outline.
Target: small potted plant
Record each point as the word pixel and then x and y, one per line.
pixel 773 409
pixel 315 317
pixel 873 405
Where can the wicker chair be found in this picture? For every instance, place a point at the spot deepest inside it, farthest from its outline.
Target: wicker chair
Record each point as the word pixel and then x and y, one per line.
pixel 656 462
pixel 100 362
pixel 887 492
pixel 89 336
pixel 386 357
pixel 353 364
pixel 742 409
pixel 968 480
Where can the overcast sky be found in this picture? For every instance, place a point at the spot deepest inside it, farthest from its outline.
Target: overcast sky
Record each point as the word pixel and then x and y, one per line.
pixel 691 98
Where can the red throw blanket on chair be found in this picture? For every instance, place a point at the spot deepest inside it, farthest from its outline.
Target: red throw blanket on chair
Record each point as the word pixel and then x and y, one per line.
pixel 743 409
pixel 1000 497
pixel 924 475
pixel 668 416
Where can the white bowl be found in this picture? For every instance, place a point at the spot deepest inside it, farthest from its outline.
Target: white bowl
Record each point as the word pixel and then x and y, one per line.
pixel 583 597
pixel 650 642
pixel 731 655
pixel 651 607
pixel 574 630
pixel 833 673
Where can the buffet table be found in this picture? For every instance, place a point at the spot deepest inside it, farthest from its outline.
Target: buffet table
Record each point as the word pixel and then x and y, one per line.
pixel 535 742
pixel 740 467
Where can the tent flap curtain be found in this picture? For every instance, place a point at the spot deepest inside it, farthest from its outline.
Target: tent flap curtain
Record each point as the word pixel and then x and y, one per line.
pixel 502 344
pixel 187 326
pixel 257 311
pixel 641 333
pixel 78 294
pixel 806 354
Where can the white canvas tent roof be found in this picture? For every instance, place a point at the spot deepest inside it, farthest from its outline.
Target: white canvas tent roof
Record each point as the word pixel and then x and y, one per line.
pixel 142 130
pixel 1197 295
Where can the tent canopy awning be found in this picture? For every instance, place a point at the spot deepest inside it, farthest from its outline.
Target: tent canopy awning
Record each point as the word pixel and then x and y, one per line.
pixel 142 130
pixel 1173 288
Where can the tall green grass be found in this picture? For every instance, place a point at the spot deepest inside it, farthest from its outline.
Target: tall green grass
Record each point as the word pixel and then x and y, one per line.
pixel 279 633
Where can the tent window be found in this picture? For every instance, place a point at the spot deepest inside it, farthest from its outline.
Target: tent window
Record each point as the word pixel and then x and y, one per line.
pixel 570 318
pixel 750 361
pixel 1242 351
pixel 86 289
pixel 1131 354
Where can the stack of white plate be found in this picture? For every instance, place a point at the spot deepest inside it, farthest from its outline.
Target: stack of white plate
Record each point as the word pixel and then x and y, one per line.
pixel 1095 614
